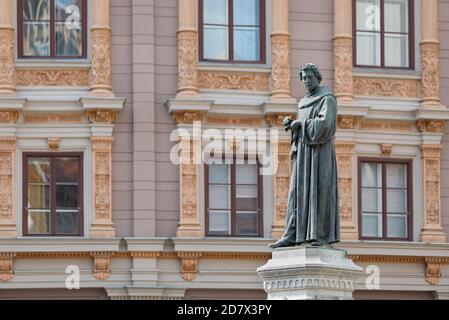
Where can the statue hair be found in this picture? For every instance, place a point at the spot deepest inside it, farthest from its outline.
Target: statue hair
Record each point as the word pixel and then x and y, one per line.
pixel 313 68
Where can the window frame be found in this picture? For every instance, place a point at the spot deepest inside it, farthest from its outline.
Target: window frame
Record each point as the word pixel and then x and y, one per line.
pixel 411 37
pixel 384 162
pixel 262 40
pixel 233 208
pixel 52 56
pixel 52 155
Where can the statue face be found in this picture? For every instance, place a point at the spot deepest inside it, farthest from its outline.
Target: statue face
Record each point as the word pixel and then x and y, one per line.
pixel 310 80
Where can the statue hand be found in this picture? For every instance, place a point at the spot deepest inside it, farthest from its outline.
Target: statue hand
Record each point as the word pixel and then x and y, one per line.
pixel 287 122
pixel 295 125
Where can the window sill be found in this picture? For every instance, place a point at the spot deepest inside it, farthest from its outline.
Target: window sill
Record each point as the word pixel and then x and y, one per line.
pixel 53 63
pixel 238 67
pixel 386 73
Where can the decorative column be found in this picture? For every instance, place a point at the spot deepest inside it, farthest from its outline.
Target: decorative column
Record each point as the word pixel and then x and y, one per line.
pixel 7 70
pixel 432 230
pixel 280 51
pixel 100 74
pixel 345 163
pixel 342 42
pixel 281 186
pixel 7 222
pixel 189 220
pixel 102 226
pixel 187 49
pixel 430 53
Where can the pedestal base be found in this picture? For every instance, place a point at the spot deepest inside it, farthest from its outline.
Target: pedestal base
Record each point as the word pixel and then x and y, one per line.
pixel 309 273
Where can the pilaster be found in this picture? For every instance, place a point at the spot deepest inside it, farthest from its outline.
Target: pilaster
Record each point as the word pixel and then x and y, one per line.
pixel 7 69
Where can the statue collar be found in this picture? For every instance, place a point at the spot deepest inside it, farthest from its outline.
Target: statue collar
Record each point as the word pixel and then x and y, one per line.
pixel 320 93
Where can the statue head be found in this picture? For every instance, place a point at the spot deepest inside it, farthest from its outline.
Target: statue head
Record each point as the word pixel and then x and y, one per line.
pixel 311 76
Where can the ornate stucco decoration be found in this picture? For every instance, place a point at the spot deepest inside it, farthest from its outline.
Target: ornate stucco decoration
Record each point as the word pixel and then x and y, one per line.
pixel 233 80
pixel 430 126
pixel 385 149
pixel 6 266
pixel 9 116
pixel 7 70
pixel 277 119
pixel 102 262
pixel 188 117
pixel 38 77
pixel 7 223
pixel 348 122
pixel 406 88
pixel 53 118
pixel 430 73
pixel 189 264
pixel 234 121
pixel 343 84
pixel 53 144
pixel 387 125
pixel 102 116
pixel 280 74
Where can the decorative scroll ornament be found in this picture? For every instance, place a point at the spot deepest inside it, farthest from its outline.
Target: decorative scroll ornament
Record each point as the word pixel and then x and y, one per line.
pixel 386 87
pixel 27 77
pixel 233 80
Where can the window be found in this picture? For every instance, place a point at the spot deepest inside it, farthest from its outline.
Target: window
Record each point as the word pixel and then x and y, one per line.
pixel 233 200
pixel 52 28
pixel 232 30
pixel 385 199
pixel 383 33
pixel 52 194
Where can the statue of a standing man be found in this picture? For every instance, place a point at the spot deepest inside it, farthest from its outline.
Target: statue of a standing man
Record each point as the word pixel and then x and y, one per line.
pixel 312 212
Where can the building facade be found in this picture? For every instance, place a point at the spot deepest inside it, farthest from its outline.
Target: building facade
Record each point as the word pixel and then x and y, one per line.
pixel 111 113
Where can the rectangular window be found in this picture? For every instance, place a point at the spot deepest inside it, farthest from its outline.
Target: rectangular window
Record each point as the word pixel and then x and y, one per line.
pixel 383 33
pixel 385 199
pixel 52 194
pixel 233 200
pixel 232 30
pixel 52 28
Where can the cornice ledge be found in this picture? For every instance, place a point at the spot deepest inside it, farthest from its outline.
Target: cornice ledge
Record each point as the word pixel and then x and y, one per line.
pixel 432 113
pixel 389 248
pixel 102 103
pixel 189 105
pixel 352 108
pixel 222 245
pixel 45 245
pixel 279 106
pixel 12 103
pixel 145 244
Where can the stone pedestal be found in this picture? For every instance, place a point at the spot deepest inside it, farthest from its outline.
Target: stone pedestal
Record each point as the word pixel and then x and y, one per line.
pixel 309 273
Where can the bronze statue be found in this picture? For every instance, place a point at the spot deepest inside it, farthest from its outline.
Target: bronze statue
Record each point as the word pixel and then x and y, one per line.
pixel 312 213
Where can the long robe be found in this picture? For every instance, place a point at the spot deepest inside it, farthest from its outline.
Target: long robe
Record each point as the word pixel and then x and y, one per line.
pixel 312 212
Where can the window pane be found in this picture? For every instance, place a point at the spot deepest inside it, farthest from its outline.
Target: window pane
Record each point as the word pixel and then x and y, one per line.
pixel 246 174
pixel 38 170
pixel 215 43
pixel 36 10
pixel 67 222
pixel 219 222
pixel 66 196
pixel 396 50
pixel 219 173
pixel 368 48
pixel 246 12
pixel 396 200
pixel 36 39
pixel 67 170
pixel 371 200
pixel 215 11
pixel 397 226
pixel 246 197
pixel 371 175
pixel 247 223
pixel 68 10
pixel 396 175
pixel 219 197
pixel 246 44
pixel 371 225
pixel 38 222
pixel 39 196
pixel 68 40
pixel 368 15
pixel 396 15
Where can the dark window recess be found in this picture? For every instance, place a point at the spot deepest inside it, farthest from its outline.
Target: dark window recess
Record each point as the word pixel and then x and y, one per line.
pixel 233 200
pixel 383 33
pixel 232 31
pixel 385 199
pixel 52 194
pixel 52 28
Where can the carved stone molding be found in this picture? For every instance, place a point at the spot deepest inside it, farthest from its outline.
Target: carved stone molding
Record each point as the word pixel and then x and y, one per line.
pixel 277 119
pixel 385 149
pixel 345 163
pixel 8 228
pixel 188 79
pixel 100 73
pixel 189 264
pixel 102 116
pixel 7 70
pixel 37 77
pixel 102 262
pixel 6 266
pixel 233 80
pixel 432 230
pixel 407 88
pixel 234 121
pixel 53 144
pixel 102 226
pixel 387 125
pixel 188 117
pixel 343 83
pixel 281 187
pixel 280 60
pixel 430 65
pixel 430 126
pixel 9 116
pixel 348 122
pixel 433 270
pixel 53 118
